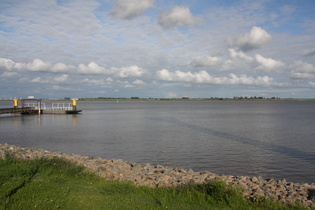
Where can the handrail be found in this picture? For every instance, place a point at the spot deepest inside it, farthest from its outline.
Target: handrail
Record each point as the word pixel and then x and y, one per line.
pixel 54 107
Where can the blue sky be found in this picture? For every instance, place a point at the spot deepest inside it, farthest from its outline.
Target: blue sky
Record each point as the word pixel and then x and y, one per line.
pixel 155 48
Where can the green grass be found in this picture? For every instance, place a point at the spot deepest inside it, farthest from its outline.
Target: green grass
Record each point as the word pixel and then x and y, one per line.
pixel 58 184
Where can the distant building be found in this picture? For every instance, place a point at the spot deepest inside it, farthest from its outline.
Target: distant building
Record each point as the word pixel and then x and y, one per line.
pixel 30 97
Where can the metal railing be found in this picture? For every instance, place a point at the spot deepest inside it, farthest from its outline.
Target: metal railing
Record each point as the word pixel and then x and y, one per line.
pixel 54 107
pixel 34 105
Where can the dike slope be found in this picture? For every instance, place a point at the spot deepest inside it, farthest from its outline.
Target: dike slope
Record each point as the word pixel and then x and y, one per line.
pixel 161 176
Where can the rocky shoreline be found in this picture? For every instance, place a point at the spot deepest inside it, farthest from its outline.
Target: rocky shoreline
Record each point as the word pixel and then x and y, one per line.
pixel 161 176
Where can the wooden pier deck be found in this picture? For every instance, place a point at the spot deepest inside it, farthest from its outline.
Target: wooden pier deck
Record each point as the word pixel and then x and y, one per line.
pixel 25 110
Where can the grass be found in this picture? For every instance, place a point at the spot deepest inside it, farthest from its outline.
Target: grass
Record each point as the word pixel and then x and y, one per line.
pixel 58 184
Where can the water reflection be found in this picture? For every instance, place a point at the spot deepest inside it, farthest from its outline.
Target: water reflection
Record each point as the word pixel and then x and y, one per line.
pixel 74 120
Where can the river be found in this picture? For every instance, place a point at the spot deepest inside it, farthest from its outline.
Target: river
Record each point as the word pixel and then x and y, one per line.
pixel 272 139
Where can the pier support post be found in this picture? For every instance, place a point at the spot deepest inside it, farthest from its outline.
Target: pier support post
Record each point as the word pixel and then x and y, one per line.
pixel 15 103
pixel 39 105
pixel 74 104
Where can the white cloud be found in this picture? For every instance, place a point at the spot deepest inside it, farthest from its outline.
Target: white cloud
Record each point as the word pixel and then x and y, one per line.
pixel 128 9
pixel 92 68
pixel 203 61
pixel 267 64
pixel 138 82
pixel 61 78
pixel 255 39
pixel 38 65
pixel 9 65
pixel 302 70
pixel 35 65
pixel 130 71
pixel 300 66
pixel 60 67
pixel 239 58
pixel 241 55
pixel 177 16
pixel 109 80
pixel 39 80
pixel 203 77
pixel 312 84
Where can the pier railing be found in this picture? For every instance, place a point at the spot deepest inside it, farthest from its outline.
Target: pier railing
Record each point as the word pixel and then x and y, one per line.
pixel 60 107
pixel 54 106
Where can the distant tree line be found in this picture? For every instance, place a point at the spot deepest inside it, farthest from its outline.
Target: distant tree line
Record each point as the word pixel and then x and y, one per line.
pixel 253 97
pixel 183 98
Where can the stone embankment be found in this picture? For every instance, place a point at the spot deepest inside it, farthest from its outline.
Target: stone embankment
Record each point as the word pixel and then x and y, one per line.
pixel 160 176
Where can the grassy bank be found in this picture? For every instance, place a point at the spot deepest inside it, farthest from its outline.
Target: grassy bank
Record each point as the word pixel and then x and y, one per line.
pixel 56 183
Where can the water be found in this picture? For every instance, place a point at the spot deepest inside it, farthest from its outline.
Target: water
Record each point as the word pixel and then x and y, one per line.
pixel 272 139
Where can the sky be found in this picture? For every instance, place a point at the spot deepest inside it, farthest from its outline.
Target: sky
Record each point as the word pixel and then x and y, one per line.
pixel 157 48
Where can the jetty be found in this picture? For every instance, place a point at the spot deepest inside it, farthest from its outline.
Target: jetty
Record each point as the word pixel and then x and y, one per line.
pixel 36 106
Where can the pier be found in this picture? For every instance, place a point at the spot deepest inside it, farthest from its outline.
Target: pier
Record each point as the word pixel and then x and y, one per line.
pixel 36 106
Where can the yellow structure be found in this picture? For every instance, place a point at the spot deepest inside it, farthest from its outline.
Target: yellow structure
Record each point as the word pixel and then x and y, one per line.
pixel 74 104
pixel 15 103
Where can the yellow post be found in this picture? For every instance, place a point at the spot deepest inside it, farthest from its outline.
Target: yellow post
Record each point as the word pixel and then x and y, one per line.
pixel 15 103
pixel 74 104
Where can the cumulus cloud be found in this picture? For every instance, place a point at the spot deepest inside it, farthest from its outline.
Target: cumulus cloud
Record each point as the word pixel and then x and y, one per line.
pixel 39 80
pixel 301 66
pixel 61 78
pixel 38 65
pixel 203 61
pixel 131 8
pixel 138 82
pixel 257 62
pixel 203 77
pixel 302 70
pixel 35 65
pixel 9 65
pixel 235 60
pixel 255 39
pixel 91 68
pixel 177 16
pixel 241 55
pixel 130 71
pixel 267 64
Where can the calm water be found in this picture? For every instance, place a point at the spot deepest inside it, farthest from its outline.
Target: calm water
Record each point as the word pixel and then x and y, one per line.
pixel 273 139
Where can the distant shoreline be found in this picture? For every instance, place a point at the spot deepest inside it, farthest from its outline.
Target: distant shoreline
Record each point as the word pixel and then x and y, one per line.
pixel 180 99
pixel 193 99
